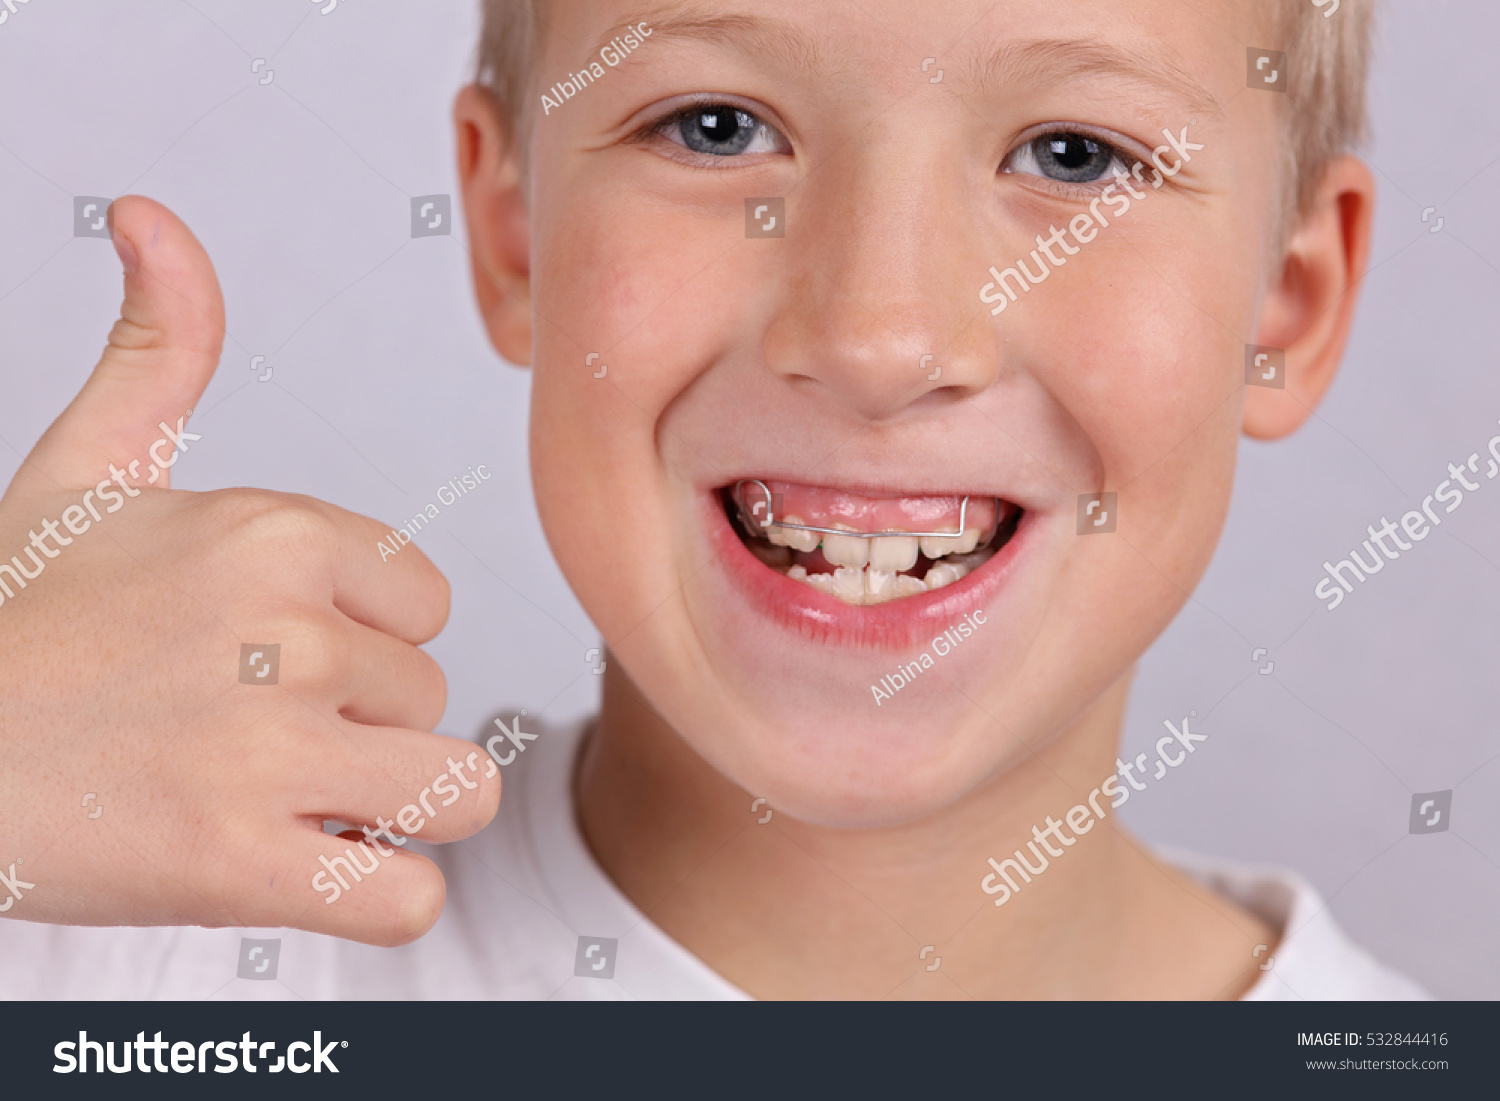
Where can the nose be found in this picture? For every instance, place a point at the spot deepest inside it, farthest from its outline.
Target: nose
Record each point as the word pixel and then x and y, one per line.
pixel 882 310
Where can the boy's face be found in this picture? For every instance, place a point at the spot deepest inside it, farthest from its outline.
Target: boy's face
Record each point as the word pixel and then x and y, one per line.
pixel 802 361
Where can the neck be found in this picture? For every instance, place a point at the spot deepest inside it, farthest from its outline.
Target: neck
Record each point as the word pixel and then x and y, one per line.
pixel 784 909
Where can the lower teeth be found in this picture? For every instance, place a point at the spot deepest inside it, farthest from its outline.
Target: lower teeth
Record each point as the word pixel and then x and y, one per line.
pixel 872 586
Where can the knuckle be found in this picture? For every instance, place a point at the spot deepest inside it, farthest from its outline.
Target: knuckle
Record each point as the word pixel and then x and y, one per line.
pixel 231 508
pixel 315 651
pixel 431 694
pixel 130 335
pixel 432 597
pixel 279 524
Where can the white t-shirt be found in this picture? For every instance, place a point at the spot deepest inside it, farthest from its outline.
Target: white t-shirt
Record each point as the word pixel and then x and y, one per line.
pixel 530 915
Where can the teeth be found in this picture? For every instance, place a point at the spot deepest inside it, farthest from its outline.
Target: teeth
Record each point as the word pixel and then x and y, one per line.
pixel 823 582
pixel 846 550
pixel 892 552
pixel 938 546
pixel 906 585
pixel 971 562
pixel 880 585
pixel 944 573
pixel 873 586
pixel 886 556
pixel 798 540
pixel 849 585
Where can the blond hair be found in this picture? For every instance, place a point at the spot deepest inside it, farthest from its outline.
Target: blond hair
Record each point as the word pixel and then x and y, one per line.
pixel 1328 50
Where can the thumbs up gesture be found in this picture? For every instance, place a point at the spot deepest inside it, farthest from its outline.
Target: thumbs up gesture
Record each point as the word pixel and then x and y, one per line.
pixel 125 606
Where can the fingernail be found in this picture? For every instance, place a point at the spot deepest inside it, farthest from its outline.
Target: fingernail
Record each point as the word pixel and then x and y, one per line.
pixel 123 247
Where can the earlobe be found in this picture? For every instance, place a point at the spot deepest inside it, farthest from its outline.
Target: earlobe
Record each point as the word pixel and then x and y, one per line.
pixel 1309 305
pixel 489 173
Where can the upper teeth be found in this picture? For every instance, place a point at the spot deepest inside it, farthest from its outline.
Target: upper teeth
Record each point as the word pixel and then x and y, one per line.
pixel 894 552
pixel 936 546
pixel 868 569
pixel 792 537
pixel 884 552
pixel 846 550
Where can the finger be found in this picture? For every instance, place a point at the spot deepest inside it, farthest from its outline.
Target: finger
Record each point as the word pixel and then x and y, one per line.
pixel 161 354
pixel 346 888
pixel 382 583
pixel 406 782
pixel 390 682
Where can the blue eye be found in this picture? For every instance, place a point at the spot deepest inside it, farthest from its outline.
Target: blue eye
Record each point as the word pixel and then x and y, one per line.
pixel 1067 157
pixel 722 130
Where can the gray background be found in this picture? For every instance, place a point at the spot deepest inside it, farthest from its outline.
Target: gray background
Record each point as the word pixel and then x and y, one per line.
pixel 384 387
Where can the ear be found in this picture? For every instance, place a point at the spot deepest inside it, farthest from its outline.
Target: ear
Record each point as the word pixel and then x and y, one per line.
pixel 489 172
pixel 1309 305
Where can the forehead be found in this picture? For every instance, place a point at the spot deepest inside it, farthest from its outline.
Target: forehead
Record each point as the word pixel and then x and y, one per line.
pixel 1190 53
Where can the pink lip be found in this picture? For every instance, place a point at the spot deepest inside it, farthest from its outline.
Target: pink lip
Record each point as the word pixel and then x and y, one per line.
pixel 895 625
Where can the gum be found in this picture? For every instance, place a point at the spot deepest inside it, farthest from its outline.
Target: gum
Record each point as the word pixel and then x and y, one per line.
pixel 821 506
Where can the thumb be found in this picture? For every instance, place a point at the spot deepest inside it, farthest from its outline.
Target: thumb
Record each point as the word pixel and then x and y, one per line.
pixel 161 354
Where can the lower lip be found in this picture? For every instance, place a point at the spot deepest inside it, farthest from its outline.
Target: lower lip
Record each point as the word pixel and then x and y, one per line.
pixel 895 625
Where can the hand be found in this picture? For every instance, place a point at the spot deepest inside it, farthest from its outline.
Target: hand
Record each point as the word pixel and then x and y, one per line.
pixel 120 661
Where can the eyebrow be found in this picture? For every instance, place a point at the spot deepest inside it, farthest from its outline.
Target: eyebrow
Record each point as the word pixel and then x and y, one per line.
pixel 1042 60
pixel 1059 60
pixel 752 35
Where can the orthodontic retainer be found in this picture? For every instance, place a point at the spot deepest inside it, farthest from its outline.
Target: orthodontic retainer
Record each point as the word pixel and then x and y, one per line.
pixel 748 515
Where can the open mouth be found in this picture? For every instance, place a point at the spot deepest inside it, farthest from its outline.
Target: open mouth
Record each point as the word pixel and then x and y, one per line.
pixel 867 550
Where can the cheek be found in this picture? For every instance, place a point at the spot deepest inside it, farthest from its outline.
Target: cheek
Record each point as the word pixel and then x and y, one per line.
pixel 1145 346
pixel 1151 369
pixel 655 294
pixel 634 275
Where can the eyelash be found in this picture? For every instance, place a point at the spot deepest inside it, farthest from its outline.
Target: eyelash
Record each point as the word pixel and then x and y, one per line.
pixel 1120 159
pixel 660 129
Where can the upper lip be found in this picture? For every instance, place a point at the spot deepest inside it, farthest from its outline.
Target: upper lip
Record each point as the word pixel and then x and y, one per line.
pixel 874 490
